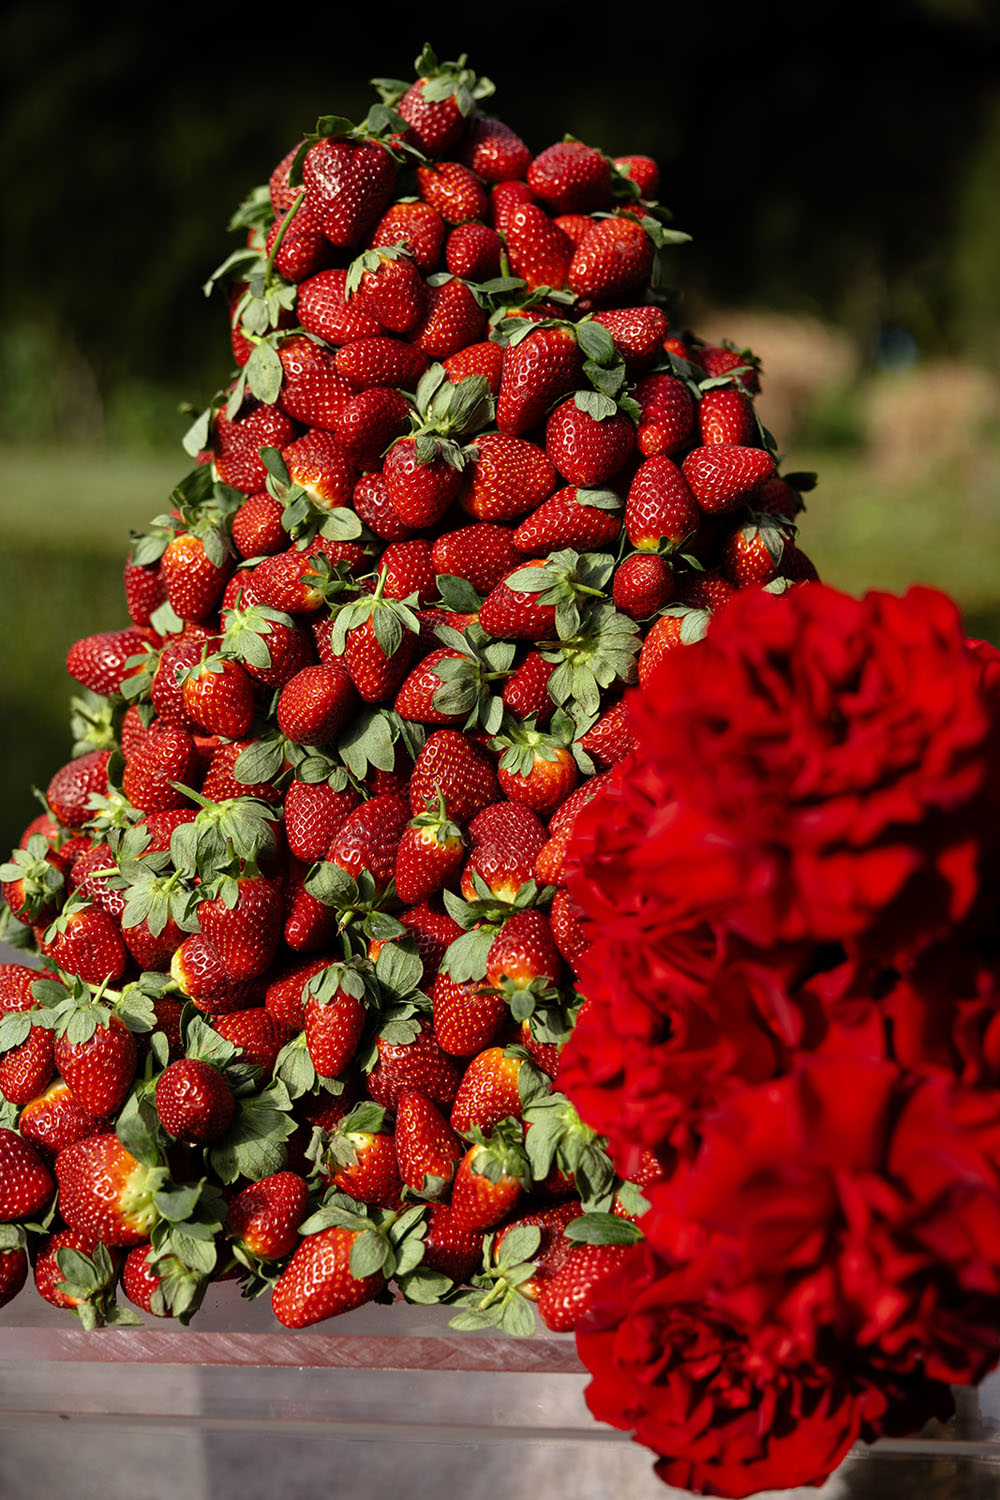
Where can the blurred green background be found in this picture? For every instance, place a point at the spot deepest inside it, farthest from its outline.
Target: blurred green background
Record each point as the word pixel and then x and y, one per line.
pixel 837 164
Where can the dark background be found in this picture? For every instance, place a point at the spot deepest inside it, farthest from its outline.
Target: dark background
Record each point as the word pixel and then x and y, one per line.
pixel 837 164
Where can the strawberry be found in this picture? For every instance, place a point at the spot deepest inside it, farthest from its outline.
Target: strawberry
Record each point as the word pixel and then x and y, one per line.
pixel 494 151
pixel 303 249
pixel 144 590
pixel 13 1273
pixel 317 462
pixel 55 1119
pixel 453 320
pixel 313 390
pixel 27 1069
pixel 488 1092
pixel 637 334
pixel 539 252
pixel 608 740
pixel 267 643
pixel 452 767
pixel 419 491
pixel 16 981
pixel 505 197
pixel 417 226
pixel 526 691
pixel 408 568
pixel 588 450
pixel 194 568
pixel 348 184
pixel 515 613
pixel 536 371
pixel 334 1018
pixel 309 923
pixel 318 1283
pixel 218 697
pixel 368 424
pixel 105 1192
pixel 664 635
pixel 666 418
pixel 98 1067
pixel 578 518
pixel 375 637
pixel 507 840
pixel 238 443
pixel 490 1179
pixel 371 501
pixel 484 359
pixel 194 1101
pixel 642 170
pixel 316 705
pixel 243 924
pixel 564 916
pixel 482 554
pixel 380 361
pixel 389 285
pixel 285 998
pixel 430 852
pixel 167 689
pixel 71 788
pixel 25 1182
pixel 797 566
pixel 613 260
pixel 257 528
pixel 448 1248
pixel 523 955
pixel 509 477
pixel 566 1295
pixel 753 554
pixel 76 1279
pixel 369 839
pixel 660 510
pixel 473 251
pixel 264 1217
pixel 85 941
pixel 220 781
pixel 452 191
pixel 324 309
pixel 427 1149
pixel 314 815
pixel 467 1016
pixel 360 1158
pixel 570 177
pixel 419 1067
pixel 99 662
pixel 722 475
pixel 167 755
pixel 725 359
pixel 726 416
pixel 643 584
pixel 535 769
pixel 32 880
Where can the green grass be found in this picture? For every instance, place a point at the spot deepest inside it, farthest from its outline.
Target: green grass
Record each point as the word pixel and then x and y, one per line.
pixel 65 516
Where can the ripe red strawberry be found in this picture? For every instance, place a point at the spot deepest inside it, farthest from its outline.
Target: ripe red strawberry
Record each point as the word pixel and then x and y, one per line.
pixel 220 782
pixel 467 1016
pixel 408 568
pixel 246 934
pixel 50 1282
pixel 371 501
pixel 32 881
pixel 194 1101
pixel 99 661
pixel 13 1273
pixel 452 191
pixel 419 493
pixel 473 251
pixel 167 690
pixel 194 569
pixel 637 334
pixel 55 1119
pixel 317 1283
pixel 508 838
pixel 303 249
pixel 643 171
pixel 316 705
pixel 313 389
pixel 430 851
pixel 453 320
pixel 419 227
pixel 664 635
pixel 264 1218
pixel 309 923
pixel 484 359
pixel 362 1162
pixel 570 177
pixel 451 765
pixel 285 997
pixel 369 838
pixel 324 309
pixel 218 696
pixel 667 414
pixel 286 648
pixel 367 425
pixel 523 953
pixel 483 554
pixel 144 590
pixel 238 444
pixel 167 755
pixel 381 361
pixel 515 614
pixel 256 1034
pixel 493 151
pixel 389 285
pixel 257 528
pixel 569 1292
pixel 16 981
pixel 726 416
pixel 509 477
pixel 588 450
pixel 536 770
pixel 539 252
pixel 722 475
pixel 660 510
pixel 318 462
pixel 85 941
pixel 505 197
pixel 418 1067
pixel 314 815
pixel 27 1069
pixel 71 788
pixel 643 584
pixel 448 1248
pixel 334 1021
pixel 613 260
pixel 536 371
pixel 100 1068
pixel 723 359
pixel 348 185
pixel 427 1149
pixel 490 1179
pixel 105 1192
pixel 526 691
pixel 753 554
pixel 488 1092
pixel 25 1182
pixel 436 121
pixel 566 519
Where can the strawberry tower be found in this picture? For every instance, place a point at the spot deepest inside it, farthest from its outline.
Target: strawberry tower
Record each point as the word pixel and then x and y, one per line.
pixel 308 953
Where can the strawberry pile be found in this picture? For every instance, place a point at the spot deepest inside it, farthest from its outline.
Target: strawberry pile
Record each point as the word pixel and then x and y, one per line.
pixel 299 895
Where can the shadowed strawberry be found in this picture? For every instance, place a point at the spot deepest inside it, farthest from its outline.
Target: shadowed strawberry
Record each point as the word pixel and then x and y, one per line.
pixel 359 1157
pixel 25 1182
pixel 666 418
pixel 167 755
pixel 753 554
pixel 569 1292
pixel 144 590
pixel 725 359
pixel 432 930
pixel 459 771
pixel 318 463
pixel 526 691
pixel 167 688
pixel 481 554
pixel 371 502
pixel 452 191
pixel 194 1101
pixel 449 1249
pixel 32 881
pixel 505 196
pixel 485 359
pixel 726 416
pixel 637 334
pixel 267 643
pixel 334 1017
pixel 564 916
pixel 194 568
pixel 437 106
pixel 26 1069
pixel 256 1034
pixel 473 251
pixel 427 1149
pixel 13 1273
pixel 314 814
pixel 297 244
pixel 507 840
pixel 642 170
pixel 418 1066
pixel 238 444
pixel 494 151
pixel 75 1271
pixel 369 839
pixel 571 177
pixel 368 424
pixel 608 740
pixel 467 1017
pixel 380 361
pixel 491 1178
pixel 324 309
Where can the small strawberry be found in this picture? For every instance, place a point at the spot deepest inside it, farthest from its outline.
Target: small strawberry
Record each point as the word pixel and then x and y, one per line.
pixel 419 1067
pixel 467 1016
pixel 144 590
pixel 105 1192
pixel 452 321
pixel 493 151
pixel 264 1218
pixel 453 1251
pixel 588 450
pixel 508 477
pixel 583 519
pixel 725 359
pixel 473 251
pixel 427 1149
pixel 566 1295
pixel 313 390
pixel 753 554
pixel 194 568
pixel 643 584
pixel 381 361
pixel 318 463
pixel 369 839
pixel 571 178
pixel 334 1017
pixel 526 691
pixel 348 184
pixel 371 501
pixel 642 170
pixel 27 1068
pixel 316 705
pixel 419 227
pixel 536 769
pixel 491 1178
pixel 539 252
pixel 25 1182
pixel 318 1282
pixel 666 418
pixel 99 662
pixel 536 371
pixel 238 443
pixel 243 924
pixel 360 1157
pixel 488 1092
pixel 452 191
pixel 257 528
pixel 85 941
pixel 32 881
pixel 56 1119
pixel 613 260
pixel 449 765
pixel 218 697
pixel 368 424
pixel 389 285
pixel 484 359
pixel 726 416
pixel 722 475
pixel 430 852
pixel 314 814
pixel 637 334
pixel 660 510
pixel 194 1101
